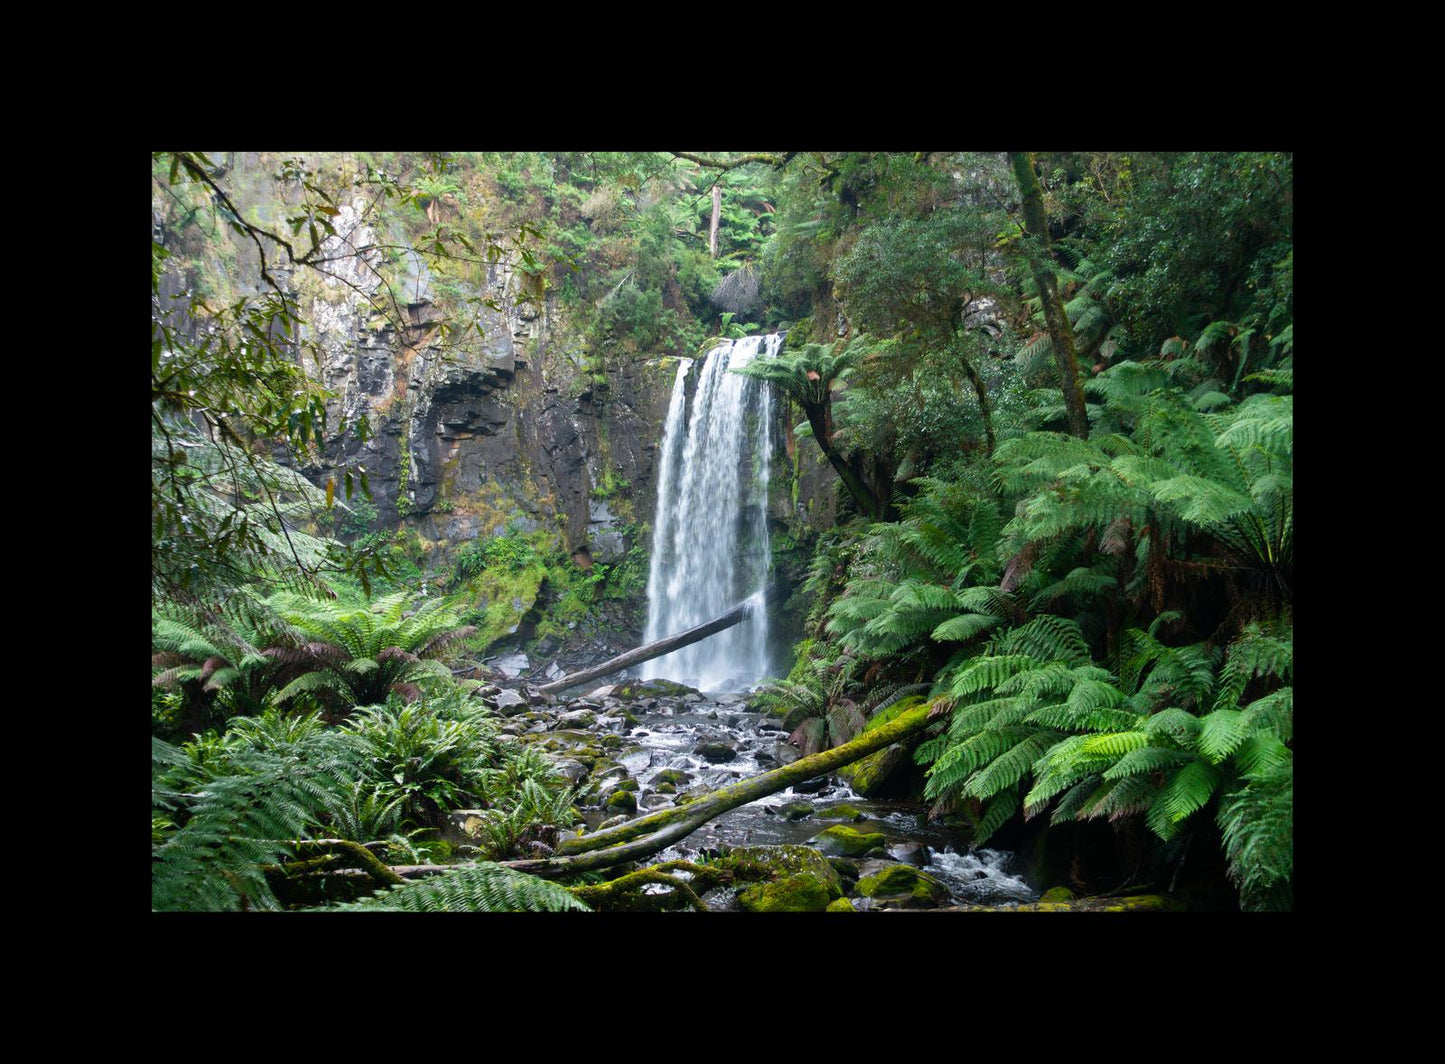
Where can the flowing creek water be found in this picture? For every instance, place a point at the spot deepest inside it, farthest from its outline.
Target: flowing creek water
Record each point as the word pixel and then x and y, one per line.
pixel 667 738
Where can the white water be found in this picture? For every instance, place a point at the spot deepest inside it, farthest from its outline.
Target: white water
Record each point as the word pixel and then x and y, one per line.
pixel 710 532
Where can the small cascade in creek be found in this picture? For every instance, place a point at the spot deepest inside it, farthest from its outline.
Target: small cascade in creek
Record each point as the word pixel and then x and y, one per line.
pixel 710 534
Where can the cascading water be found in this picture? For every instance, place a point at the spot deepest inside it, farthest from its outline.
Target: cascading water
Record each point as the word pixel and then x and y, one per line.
pixel 710 534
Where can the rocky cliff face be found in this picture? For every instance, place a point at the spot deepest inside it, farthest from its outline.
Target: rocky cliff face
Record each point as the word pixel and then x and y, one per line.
pixel 502 423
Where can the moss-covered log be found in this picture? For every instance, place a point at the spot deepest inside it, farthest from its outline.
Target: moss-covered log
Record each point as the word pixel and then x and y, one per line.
pixel 620 893
pixel 646 835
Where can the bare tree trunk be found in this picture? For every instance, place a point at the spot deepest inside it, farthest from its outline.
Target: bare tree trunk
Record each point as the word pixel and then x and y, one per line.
pixel 1061 335
pixel 646 835
pixel 648 651
pixel 716 216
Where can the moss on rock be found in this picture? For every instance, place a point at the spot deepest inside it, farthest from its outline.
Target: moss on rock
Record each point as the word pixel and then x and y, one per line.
pixel 624 801
pixel 1058 894
pixel 906 882
pixel 840 905
pixel 846 842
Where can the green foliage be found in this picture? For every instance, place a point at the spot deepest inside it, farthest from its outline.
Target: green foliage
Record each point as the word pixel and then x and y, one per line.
pixel 925 578
pixel 359 655
pixel 478 888
pixel 424 758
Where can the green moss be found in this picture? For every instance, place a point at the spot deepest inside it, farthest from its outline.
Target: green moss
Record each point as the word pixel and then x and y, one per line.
pixel 611 742
pixel 868 775
pixel 625 801
pixel 796 810
pixel 902 879
pixel 842 812
pixel 665 788
pixel 651 689
pixel 672 775
pixel 803 893
pixel 840 905
pixel 627 785
pixel 1058 894
pixel 846 842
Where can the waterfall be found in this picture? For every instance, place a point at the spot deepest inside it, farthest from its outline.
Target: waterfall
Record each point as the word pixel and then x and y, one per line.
pixel 710 533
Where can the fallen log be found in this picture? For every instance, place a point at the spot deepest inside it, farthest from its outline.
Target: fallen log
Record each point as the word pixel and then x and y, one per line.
pixel 648 834
pixel 648 651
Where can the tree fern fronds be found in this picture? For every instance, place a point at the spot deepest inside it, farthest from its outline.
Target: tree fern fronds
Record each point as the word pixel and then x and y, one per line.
pixel 1113 744
pixel 1148 760
pixel 995 815
pixel 1174 722
pixel 482 887
pixel 1272 714
pixel 1262 753
pixel 963 627
pixel 1032 686
pixel 1220 734
pixel 1074 718
pixel 1074 800
pixel 1257 820
pixel 1128 796
pixel 1081 581
pixel 1047 638
pixel 988 672
pixel 1186 791
pixel 961 760
pixel 1010 766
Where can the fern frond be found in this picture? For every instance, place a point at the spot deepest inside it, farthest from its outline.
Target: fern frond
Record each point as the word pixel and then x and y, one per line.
pixel 480 888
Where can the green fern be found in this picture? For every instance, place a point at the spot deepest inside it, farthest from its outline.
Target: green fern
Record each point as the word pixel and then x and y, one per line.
pixel 478 888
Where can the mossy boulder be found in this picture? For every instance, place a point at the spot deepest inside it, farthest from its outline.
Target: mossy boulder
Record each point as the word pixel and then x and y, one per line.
pixel 1058 894
pixel 842 812
pixel 903 885
pixel 796 810
pixel 846 842
pixel 628 785
pixel 665 788
pixel 611 742
pixel 622 801
pixel 651 689
pixel 672 775
pixel 840 905
pixel 803 880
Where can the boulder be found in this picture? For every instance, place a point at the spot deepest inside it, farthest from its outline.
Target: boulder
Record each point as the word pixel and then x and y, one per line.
pixel 903 886
pixel 803 881
pixel 846 842
pixel 508 702
pixel 716 751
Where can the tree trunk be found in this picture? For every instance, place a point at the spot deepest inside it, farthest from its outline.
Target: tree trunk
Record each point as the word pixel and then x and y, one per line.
pixel 820 420
pixel 648 834
pixel 648 651
pixel 1061 335
pixel 716 215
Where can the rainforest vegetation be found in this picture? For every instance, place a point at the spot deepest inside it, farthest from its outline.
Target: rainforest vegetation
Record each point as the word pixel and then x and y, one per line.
pixel 1050 395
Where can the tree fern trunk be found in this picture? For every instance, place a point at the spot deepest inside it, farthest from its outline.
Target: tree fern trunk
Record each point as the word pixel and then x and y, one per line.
pixel 1061 335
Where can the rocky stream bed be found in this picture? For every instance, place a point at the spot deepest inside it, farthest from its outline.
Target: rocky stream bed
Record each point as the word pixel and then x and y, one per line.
pixel 634 748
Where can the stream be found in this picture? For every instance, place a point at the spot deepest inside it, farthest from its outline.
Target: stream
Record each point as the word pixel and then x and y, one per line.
pixel 671 734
